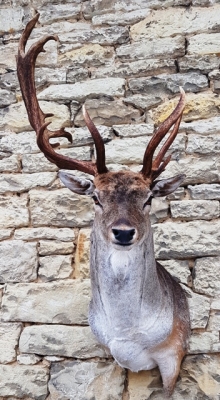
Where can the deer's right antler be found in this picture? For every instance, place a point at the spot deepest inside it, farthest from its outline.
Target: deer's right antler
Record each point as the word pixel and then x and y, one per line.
pixel 25 70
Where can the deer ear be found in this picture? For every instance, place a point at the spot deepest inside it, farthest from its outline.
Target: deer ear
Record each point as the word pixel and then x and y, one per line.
pixel 166 186
pixel 77 185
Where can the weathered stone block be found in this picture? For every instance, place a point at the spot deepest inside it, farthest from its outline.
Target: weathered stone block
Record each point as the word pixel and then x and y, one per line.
pixel 5 233
pixel 22 381
pixel 20 143
pixel 13 19
pixel 203 342
pixel 204 43
pixel 19 183
pixel 205 191
pixel 199 308
pixel 49 247
pixel 60 208
pixel 28 359
pixel 144 102
pixel 80 90
pixel 203 63
pixel 10 164
pixel 18 261
pixel 82 136
pixel 56 12
pixel 206 127
pixel 60 340
pixel 6 98
pixel 13 211
pixel 187 239
pixel 63 302
pixel 179 269
pixel 197 209
pixel 9 335
pixel 133 130
pixel 88 55
pixel 160 47
pixel 82 259
pixel 86 380
pixel 120 18
pixel 47 233
pixel 207 276
pixel 159 210
pixel 37 163
pixel 203 144
pixel 55 267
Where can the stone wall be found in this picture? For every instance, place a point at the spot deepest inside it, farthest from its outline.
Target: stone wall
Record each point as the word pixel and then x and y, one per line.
pixel 125 60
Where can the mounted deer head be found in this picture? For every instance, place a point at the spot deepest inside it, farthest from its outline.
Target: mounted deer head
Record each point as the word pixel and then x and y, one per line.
pixel 137 310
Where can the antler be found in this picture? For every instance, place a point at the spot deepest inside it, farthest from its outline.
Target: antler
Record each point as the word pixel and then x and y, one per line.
pixel 152 169
pixel 25 71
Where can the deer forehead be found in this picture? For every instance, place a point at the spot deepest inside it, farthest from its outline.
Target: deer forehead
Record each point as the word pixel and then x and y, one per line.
pixel 127 182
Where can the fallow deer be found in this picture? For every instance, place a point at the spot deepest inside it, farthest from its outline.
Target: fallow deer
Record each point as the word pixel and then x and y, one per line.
pixel 138 310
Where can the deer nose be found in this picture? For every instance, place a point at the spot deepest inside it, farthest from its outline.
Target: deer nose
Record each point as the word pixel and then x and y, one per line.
pixel 123 236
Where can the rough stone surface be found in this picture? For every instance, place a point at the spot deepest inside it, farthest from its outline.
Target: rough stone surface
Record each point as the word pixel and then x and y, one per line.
pixel 86 380
pixel 28 359
pixel 19 183
pixel 205 191
pixel 18 261
pixel 179 269
pixel 81 266
pixel 9 335
pixel 203 145
pixel 22 381
pixel 204 44
pixel 26 302
pixel 49 247
pixel 55 267
pixel 199 308
pixel 207 276
pixel 198 209
pixel 13 211
pixel 47 233
pixel 60 340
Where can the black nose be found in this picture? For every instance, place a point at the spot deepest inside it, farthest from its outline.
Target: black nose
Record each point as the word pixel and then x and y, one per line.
pixel 124 236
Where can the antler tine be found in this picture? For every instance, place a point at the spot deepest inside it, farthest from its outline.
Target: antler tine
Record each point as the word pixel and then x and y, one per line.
pixel 25 70
pixel 150 169
pixel 99 145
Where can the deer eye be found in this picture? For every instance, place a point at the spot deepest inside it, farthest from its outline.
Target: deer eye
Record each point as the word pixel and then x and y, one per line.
pixel 148 202
pixel 96 201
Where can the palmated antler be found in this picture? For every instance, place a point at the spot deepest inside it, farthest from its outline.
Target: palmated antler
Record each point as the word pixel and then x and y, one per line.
pixel 153 168
pixel 25 70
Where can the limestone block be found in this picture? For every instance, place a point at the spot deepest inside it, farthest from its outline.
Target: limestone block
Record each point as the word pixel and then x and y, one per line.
pixel 204 44
pixel 82 136
pixel 5 233
pixel 46 233
pixel 86 380
pixel 7 55
pixel 159 47
pixel 214 322
pixel 131 150
pixel 60 340
pixel 203 342
pixel 9 80
pixel 88 55
pixel 10 164
pixel 55 267
pixel 179 269
pixel 197 209
pixel 205 191
pixel 13 211
pixel 9 335
pixel 198 106
pixel 82 259
pixel 206 127
pixel 207 276
pixel 28 359
pixel 37 163
pixel 199 378
pixel 56 12
pixel 203 144
pixel 167 84
pixel 215 304
pixel 108 112
pixel 203 63
pixel 199 308
pixel 143 67
pixel 60 208
pixel 13 19
pixel 80 90
pixel 20 143
pixel 187 239
pixel 160 23
pixel 178 194
pixel 159 210
pixel 145 102
pixel 6 98
pixel 22 381
pixel 15 116
pixel 133 130
pixel 18 261
pixel 121 18
pixel 49 247
pixel 45 75
pixel 41 302
pixel 19 183
pixel 74 74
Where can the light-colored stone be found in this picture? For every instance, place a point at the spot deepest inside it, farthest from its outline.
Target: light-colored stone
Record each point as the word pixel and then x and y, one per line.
pixel 178 194
pixel 197 209
pixel 15 116
pixel 28 359
pixel 81 266
pixel 160 23
pixel 187 239
pixel 203 63
pixel 37 163
pixel 5 233
pixel 60 340
pixel 79 91
pixel 46 233
pixel 88 55
pixel 12 17
pixel 13 211
pixel 22 381
pixel 86 380
pixel 19 183
pixel 158 48
pixel 18 261
pixel 203 342
pixel 56 12
pixel 10 164
pixel 205 191
pixel 203 144
pixel 41 302
pixel 55 267
pixel 45 75
pixel 199 308
pixel 206 127
pixel 207 276
pixel 9 335
pixel 108 112
pixel 159 210
pixel 60 208
pixel 145 102
pixel 179 269
pixel 6 98
pixel 120 18
pixel 49 247
pixel 204 43
pixel 133 130
pixel 214 322
pixel 82 136
pixel 20 143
